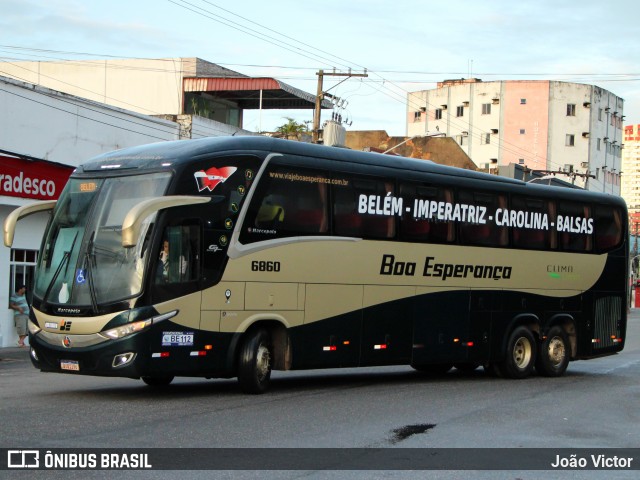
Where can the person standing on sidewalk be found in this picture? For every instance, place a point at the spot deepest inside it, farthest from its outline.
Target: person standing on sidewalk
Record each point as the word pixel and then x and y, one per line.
pixel 20 307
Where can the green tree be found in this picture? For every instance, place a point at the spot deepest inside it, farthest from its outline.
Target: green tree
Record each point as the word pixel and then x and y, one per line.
pixel 292 129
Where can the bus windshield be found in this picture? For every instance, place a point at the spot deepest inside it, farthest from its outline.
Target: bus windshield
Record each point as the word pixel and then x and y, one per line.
pixel 83 261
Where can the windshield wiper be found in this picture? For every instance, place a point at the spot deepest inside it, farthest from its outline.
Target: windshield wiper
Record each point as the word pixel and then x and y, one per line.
pixel 90 257
pixel 65 260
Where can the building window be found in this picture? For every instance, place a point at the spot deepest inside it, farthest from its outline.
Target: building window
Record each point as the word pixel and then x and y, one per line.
pixel 459 111
pixel 570 140
pixel 571 109
pixel 522 131
pixel 416 116
pixel 438 114
pixel 485 139
pixel 462 139
pixel 22 267
pixel 598 144
pixel 523 101
pixel 521 161
pixel 486 109
pixel 600 114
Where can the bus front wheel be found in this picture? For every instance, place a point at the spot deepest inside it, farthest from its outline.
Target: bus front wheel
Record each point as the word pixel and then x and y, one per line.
pixel 254 363
pixel 521 354
pixel 553 357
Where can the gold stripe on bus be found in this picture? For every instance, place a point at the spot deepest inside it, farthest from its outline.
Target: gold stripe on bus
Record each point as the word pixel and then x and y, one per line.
pixel 360 263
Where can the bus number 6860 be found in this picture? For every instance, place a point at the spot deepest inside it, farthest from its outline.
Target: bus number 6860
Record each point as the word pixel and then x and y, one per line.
pixel 265 266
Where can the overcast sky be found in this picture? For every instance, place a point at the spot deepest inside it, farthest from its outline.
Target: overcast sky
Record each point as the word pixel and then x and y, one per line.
pixel 406 45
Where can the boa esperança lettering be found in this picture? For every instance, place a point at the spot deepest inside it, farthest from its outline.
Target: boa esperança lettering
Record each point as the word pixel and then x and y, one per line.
pixel 432 268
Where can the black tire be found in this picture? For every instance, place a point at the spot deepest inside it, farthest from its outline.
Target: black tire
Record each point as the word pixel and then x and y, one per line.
pixel 554 353
pixel 520 355
pixel 158 381
pixel 493 369
pixel 254 362
pixel 435 369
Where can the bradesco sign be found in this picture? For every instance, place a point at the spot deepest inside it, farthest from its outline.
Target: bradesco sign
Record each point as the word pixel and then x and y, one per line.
pixel 36 179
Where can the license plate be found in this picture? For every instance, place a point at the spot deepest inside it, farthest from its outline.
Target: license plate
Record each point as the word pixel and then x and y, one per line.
pixel 177 339
pixel 70 365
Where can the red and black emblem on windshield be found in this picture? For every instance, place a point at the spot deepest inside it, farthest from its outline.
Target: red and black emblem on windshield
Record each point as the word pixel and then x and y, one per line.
pixel 212 177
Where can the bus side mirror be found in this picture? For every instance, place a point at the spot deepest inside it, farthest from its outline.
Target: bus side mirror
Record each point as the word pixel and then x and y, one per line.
pixel 18 213
pixel 134 218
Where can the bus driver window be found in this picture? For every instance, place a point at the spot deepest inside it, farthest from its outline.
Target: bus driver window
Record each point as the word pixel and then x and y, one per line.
pixel 176 259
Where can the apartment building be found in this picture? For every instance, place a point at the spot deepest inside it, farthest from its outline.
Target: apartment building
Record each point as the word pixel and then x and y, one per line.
pixel 631 175
pixel 543 125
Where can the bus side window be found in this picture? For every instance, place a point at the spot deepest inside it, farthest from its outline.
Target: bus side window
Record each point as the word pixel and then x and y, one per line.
pixel 532 218
pixel 289 202
pixel 359 209
pixel 478 229
pixel 608 228
pixel 420 223
pixel 572 224
pixel 179 257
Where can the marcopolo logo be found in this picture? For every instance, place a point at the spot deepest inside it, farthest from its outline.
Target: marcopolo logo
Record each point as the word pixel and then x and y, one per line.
pixel 21 184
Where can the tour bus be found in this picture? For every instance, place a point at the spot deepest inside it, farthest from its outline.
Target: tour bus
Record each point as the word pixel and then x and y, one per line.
pixel 230 257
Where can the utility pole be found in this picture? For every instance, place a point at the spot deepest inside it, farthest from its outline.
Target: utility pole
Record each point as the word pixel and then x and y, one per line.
pixel 320 96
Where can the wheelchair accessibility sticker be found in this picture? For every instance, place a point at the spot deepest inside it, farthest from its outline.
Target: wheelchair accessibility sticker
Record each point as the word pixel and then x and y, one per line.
pixel 80 276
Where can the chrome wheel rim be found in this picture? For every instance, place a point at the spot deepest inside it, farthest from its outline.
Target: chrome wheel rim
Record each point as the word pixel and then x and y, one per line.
pixel 522 353
pixel 263 362
pixel 556 351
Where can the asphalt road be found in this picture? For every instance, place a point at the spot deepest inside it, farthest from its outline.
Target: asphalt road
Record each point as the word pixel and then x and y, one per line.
pixel 595 405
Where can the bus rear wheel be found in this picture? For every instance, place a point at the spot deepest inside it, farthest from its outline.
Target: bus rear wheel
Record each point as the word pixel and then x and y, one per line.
pixel 521 354
pixel 553 356
pixel 158 381
pixel 254 363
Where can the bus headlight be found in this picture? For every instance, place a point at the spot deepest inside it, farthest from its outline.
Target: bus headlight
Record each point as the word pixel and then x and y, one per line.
pixel 33 328
pixel 129 329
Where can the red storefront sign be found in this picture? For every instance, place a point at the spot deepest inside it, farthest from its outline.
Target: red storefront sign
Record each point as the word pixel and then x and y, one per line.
pixel 35 179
